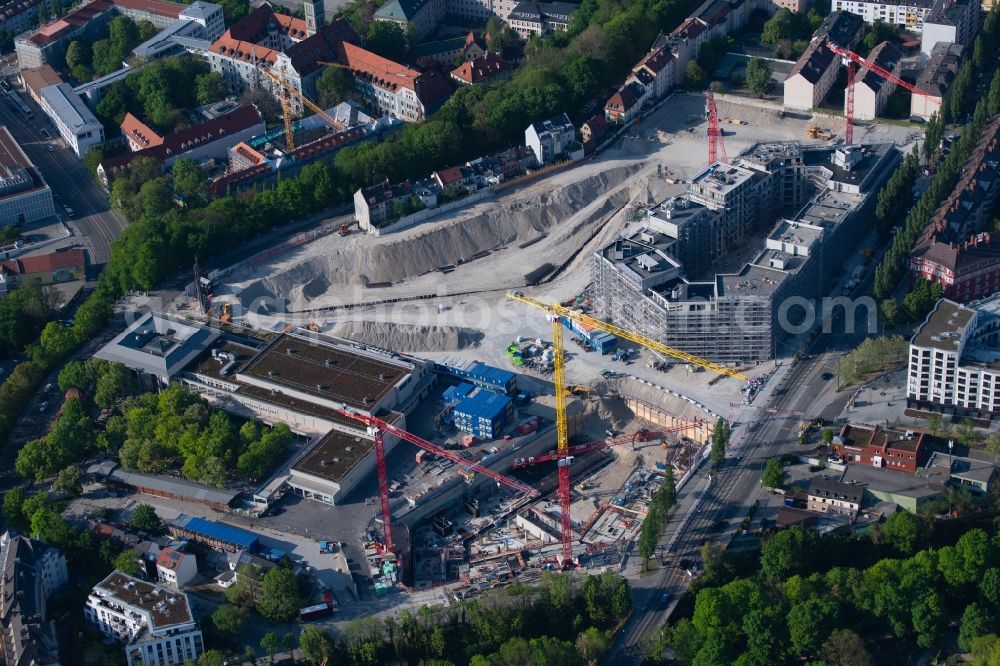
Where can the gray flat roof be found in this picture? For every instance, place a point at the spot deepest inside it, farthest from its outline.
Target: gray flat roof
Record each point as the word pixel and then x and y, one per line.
pixel 944 326
pixel 68 106
pixel 892 481
pixel 158 344
pixel 178 487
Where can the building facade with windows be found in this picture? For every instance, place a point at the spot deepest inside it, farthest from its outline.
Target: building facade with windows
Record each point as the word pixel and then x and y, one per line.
pixel 907 14
pixel 75 122
pixel 954 362
pixel 32 573
pixel 550 138
pixel 155 623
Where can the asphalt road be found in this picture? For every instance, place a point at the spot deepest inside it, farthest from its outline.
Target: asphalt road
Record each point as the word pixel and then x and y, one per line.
pixel 70 181
pixel 727 494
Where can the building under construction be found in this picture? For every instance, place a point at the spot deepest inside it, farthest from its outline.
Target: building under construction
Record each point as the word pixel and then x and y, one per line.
pixel 648 279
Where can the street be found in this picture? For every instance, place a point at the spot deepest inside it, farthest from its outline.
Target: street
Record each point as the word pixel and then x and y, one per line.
pixel 70 181
pixel 727 494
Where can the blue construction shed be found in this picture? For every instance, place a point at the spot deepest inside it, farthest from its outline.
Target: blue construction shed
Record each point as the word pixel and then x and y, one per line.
pixel 482 375
pixel 596 338
pixel 484 414
pixel 211 533
pixel 454 394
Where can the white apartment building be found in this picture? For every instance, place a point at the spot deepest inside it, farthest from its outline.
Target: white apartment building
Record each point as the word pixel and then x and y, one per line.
pixel 955 21
pixel 74 121
pixel 550 138
pixel 175 568
pixel 908 14
pixel 954 363
pixel 871 91
pixel 154 622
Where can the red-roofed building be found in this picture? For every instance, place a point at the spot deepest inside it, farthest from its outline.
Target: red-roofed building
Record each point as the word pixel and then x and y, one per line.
pixel 175 568
pixel 45 269
pixel 138 134
pixel 878 446
pixel 88 22
pixel 625 104
pixel 392 88
pixel 281 43
pixel 209 140
pixel 479 70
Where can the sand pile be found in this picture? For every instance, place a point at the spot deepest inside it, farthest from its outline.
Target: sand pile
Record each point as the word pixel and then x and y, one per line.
pixel 407 337
pixel 329 264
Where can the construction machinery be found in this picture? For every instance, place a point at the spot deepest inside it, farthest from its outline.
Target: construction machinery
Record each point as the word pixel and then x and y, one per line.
pixel 226 314
pixel 818 133
pixel 377 429
pixel 716 145
pixel 556 314
pixel 853 61
pixel 608 442
pixel 287 92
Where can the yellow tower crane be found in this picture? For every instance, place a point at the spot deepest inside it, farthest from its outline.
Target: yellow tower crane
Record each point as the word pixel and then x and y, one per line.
pixel 287 92
pixel 555 312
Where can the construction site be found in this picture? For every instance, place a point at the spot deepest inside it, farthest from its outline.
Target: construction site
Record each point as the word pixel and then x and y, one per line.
pixel 518 424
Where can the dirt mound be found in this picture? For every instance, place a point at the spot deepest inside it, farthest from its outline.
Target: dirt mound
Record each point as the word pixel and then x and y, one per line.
pixel 329 264
pixel 407 337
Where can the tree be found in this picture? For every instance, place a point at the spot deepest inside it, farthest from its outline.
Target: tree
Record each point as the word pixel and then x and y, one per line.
pixel 993 446
pixel 759 79
pixel 13 509
pixel 189 179
pixel 989 586
pixel 827 437
pixel 315 645
pixel 279 595
pixel 146 30
pixel 807 624
pixel 211 87
pixel 144 518
pixel 212 658
pixel 271 643
pixel 387 40
pixel 694 76
pixel 975 622
pixel 69 481
pixel 788 552
pixel 78 54
pixel 845 648
pixel 774 473
pixel 127 562
pixel 591 645
pixel 901 530
pixel 111 386
pixel 228 621
pixel 720 439
pixel 74 374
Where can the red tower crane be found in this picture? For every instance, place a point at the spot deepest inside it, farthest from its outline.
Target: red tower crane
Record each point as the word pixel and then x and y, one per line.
pixel 377 427
pixel 854 60
pixel 715 141
pixel 580 449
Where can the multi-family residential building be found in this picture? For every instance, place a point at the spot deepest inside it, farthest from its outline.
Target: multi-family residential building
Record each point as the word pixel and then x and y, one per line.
pixel 872 91
pixel 953 360
pixel 814 73
pixel 73 119
pixel 907 14
pixel 955 21
pixel 24 195
pixel 32 572
pixel 956 249
pixel 155 623
pixel 445 51
pixel 936 78
pixel 211 139
pixel 537 18
pixel 625 105
pixel 88 22
pixel 175 568
pixel 551 138
pixel 834 497
pixel 482 69
pixel 17 16
pixel 643 283
pixel 374 205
